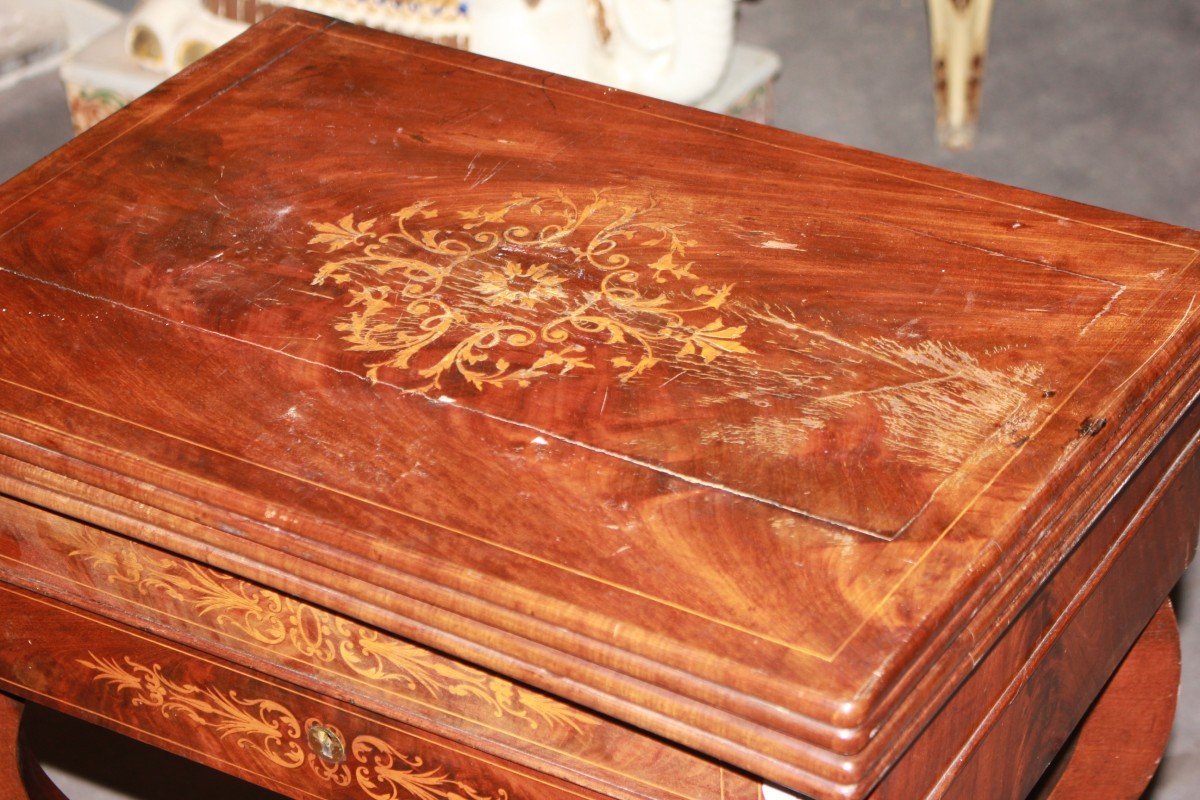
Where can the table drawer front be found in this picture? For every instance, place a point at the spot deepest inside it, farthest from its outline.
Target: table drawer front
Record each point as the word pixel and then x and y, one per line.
pixel 252 625
pixel 266 732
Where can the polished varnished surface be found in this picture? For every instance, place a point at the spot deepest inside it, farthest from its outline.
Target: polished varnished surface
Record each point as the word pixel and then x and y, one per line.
pixel 1125 732
pixel 297 744
pixel 181 600
pixel 21 777
pixel 723 431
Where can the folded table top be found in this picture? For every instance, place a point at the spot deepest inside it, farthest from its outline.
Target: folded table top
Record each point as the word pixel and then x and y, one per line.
pixel 725 432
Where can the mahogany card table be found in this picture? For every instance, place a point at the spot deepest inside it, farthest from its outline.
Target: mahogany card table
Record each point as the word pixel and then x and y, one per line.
pixel 381 421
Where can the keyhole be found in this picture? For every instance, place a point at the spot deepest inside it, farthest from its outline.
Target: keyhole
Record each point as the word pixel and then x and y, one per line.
pixel 326 743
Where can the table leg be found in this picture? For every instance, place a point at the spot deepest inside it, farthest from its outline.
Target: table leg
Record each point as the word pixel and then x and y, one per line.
pixel 958 33
pixel 1117 747
pixel 21 777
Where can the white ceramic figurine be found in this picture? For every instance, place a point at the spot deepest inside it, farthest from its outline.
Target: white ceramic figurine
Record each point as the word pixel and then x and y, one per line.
pixel 671 49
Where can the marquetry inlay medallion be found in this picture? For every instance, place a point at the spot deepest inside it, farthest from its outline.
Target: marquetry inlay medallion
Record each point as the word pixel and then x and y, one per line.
pixel 536 286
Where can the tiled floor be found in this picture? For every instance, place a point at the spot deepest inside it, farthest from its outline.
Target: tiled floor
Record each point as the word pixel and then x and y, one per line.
pixel 1096 100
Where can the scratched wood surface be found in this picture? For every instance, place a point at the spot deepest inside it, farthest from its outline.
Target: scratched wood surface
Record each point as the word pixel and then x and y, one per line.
pixel 750 440
pixel 255 626
pixel 238 722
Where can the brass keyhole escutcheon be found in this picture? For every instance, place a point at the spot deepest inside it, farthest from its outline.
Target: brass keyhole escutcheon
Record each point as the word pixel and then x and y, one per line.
pixel 326 743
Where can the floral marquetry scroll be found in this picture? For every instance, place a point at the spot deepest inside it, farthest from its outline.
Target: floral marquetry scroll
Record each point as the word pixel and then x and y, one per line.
pixel 263 726
pixel 289 627
pixel 617 293
pixel 397 685
pixel 537 286
pixel 385 774
pixel 273 731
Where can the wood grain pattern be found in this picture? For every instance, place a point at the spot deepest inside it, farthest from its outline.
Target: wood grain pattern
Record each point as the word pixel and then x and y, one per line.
pixel 1043 673
pixel 236 721
pixel 1124 735
pixel 752 441
pixel 21 777
pixel 257 627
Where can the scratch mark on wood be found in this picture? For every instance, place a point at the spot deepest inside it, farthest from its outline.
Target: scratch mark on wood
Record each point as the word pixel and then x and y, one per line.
pixel 1107 307
pixel 205 262
pixel 1178 326
pixel 458 119
pixel 547 95
pixel 253 73
pixel 19 224
pixel 312 294
pixel 296 338
pixel 921 384
pixel 491 173
pixel 940 421
pixel 767 315
pixel 782 436
pixel 989 251
pixel 684 478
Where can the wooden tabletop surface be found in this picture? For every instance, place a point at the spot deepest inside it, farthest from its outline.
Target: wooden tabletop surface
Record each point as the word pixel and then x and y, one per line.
pixel 743 437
